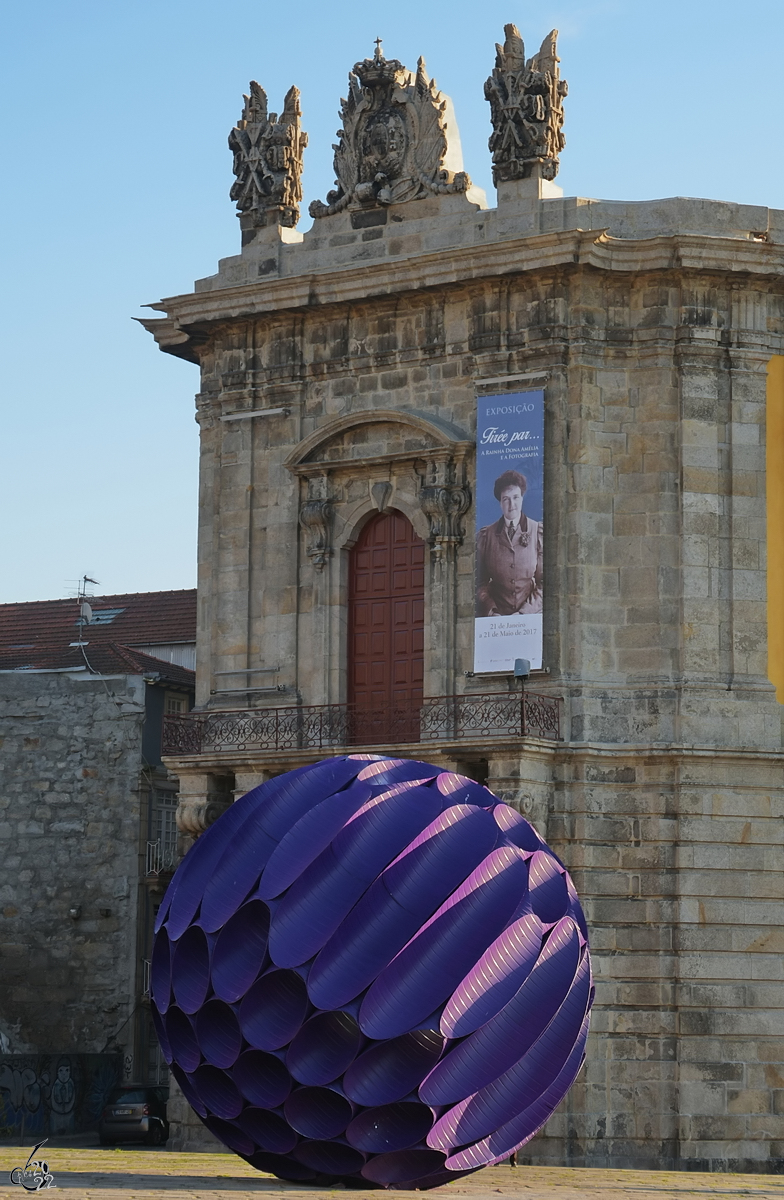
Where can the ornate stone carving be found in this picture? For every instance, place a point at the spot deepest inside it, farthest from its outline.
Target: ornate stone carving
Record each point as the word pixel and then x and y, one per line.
pixel 195 814
pixel 381 494
pixel 526 109
pixel 316 519
pixel 393 141
pixel 268 160
pixel 444 507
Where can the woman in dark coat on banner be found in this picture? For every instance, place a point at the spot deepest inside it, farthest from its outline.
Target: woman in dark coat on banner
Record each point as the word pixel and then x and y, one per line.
pixel 509 555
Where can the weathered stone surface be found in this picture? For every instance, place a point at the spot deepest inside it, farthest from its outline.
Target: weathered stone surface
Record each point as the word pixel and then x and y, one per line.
pixel 70 823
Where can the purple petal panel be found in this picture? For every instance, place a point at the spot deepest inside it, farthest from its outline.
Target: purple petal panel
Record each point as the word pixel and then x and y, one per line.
pixel 371 971
pixel 390 1070
pixel 262 1078
pixel 315 905
pixel 218 1034
pixel 237 873
pixel 547 884
pixel 195 870
pixel 161 1034
pixel 526 1124
pixel 397 904
pixel 312 833
pixel 324 1047
pixel 191 969
pixel 498 1045
pixel 383 827
pixel 390 1127
pixel 230 1135
pixel 318 1112
pixel 329 1158
pixel 518 1087
pixel 501 970
pixel 217 1091
pixel 182 1039
pixel 402 1166
pixel 268 1131
pixel 296 797
pixel 518 831
pixel 240 951
pixel 160 972
pixel 273 1010
pixel 435 961
pixel 188 1090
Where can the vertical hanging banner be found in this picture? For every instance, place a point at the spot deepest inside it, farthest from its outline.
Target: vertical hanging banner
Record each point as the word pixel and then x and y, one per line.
pixel 509 497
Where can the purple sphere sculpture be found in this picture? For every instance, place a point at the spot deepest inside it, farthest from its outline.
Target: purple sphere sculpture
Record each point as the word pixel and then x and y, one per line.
pixel 373 971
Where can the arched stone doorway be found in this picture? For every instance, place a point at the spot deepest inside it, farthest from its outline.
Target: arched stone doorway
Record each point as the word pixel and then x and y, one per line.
pixel 386 614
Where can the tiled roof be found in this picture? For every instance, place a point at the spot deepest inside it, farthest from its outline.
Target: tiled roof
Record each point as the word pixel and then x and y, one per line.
pixel 105 658
pixel 38 635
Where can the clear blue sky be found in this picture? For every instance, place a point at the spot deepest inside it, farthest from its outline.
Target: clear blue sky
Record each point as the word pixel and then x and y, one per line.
pixel 115 192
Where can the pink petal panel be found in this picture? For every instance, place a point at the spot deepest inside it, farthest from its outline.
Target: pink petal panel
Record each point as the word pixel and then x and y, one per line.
pixel 500 1144
pixel 499 1044
pixel 489 1108
pixel 429 968
pixel 501 970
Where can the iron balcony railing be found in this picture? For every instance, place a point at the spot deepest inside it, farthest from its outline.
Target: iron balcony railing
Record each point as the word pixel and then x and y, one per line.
pixel 336 726
pixel 161 857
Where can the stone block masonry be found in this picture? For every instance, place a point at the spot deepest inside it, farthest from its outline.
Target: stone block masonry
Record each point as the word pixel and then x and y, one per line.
pixel 69 847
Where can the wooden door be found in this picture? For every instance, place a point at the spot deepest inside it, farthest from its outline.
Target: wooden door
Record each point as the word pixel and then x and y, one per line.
pixel 386 631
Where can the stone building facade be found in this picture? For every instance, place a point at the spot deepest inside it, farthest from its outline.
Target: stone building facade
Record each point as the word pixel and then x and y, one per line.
pixel 340 371
pixel 87 845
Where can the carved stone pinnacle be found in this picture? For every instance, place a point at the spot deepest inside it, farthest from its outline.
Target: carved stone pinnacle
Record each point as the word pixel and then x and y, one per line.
pixel 268 161
pixel 526 109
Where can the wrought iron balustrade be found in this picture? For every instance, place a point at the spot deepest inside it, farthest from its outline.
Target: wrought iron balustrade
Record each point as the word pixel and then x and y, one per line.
pixel 161 856
pixel 337 726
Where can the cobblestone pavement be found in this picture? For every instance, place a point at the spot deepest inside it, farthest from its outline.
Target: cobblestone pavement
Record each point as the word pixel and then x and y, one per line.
pixel 92 1174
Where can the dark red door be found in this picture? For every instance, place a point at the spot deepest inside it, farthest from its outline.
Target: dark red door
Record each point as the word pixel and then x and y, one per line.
pixel 386 630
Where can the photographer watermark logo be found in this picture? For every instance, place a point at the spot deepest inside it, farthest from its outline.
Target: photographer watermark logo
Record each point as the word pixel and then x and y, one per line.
pixel 34 1175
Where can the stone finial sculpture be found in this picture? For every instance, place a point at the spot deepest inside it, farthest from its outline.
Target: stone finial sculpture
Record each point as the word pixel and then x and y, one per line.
pixel 374 970
pixel 526 109
pixel 268 161
pixel 393 144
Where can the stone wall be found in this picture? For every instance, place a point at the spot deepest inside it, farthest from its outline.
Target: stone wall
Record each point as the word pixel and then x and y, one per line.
pixel 70 761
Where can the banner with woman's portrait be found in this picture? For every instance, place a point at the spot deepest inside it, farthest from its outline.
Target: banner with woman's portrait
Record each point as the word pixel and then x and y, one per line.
pixel 509 495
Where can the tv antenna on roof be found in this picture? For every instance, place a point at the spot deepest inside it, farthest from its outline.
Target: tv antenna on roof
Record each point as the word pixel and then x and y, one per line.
pixel 85 609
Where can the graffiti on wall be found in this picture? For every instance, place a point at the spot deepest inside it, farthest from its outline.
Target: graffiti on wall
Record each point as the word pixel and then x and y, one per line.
pixel 54 1094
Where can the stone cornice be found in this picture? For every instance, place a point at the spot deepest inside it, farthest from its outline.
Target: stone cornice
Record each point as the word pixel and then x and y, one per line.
pixel 190 316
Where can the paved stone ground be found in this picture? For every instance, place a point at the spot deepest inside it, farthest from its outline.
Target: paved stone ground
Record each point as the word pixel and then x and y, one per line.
pixel 92 1174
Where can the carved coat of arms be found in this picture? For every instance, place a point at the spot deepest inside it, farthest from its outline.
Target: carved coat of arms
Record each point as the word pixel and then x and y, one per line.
pixel 393 140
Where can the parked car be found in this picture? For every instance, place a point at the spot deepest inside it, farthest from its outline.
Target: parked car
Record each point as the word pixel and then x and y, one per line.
pixel 135 1112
